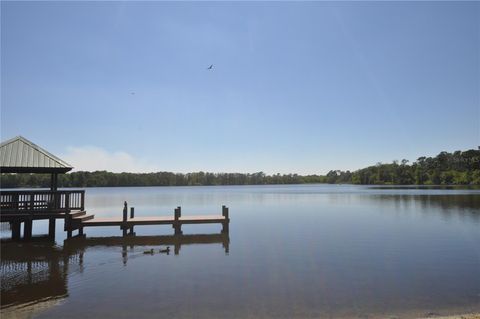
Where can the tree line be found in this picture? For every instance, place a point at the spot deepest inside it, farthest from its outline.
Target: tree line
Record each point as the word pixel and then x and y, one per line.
pixel 457 168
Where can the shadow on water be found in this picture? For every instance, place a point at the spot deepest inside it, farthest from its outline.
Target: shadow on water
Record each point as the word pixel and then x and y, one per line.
pixel 35 274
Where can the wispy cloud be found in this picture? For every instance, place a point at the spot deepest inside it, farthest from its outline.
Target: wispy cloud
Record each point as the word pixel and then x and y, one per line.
pixel 93 158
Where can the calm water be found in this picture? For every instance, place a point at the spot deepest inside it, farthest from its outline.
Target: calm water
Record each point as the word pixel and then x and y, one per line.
pixel 292 252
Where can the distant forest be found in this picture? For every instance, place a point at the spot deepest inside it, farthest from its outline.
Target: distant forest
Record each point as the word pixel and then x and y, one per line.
pixel 457 168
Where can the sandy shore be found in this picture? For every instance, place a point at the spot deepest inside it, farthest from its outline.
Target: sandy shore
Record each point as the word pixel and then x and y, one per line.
pixel 465 316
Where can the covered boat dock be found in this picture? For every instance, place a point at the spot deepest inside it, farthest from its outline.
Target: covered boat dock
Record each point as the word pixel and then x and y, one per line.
pixel 20 156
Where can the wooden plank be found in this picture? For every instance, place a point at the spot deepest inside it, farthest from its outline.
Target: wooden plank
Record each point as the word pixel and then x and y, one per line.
pixel 152 220
pixel 206 217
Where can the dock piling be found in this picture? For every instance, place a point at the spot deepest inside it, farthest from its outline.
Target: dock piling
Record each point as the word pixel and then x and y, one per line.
pixel 27 229
pixel 68 227
pixel 51 228
pixel 177 225
pixel 225 228
pixel 124 220
pixel 132 215
pixel 15 226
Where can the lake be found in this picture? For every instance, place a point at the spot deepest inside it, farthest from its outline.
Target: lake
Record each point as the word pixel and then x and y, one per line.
pixel 293 251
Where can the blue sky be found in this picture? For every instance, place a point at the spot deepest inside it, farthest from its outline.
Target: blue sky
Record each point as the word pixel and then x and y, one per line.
pixel 297 87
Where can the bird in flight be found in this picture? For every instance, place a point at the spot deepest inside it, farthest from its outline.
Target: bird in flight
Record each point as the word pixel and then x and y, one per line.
pixel 210 67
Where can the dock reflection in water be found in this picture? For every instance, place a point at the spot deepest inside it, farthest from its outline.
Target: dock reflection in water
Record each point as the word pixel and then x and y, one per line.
pixel 34 275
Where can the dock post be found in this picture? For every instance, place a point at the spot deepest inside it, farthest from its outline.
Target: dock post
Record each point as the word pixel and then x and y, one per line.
pixel 51 228
pixel 68 225
pixel 27 228
pixel 176 224
pixel 124 223
pixel 226 222
pixel 132 215
pixel 15 226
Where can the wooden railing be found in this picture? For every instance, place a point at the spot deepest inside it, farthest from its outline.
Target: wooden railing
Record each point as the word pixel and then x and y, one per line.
pixel 41 201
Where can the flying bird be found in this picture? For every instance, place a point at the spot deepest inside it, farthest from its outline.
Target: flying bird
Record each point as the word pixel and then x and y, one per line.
pixel 210 67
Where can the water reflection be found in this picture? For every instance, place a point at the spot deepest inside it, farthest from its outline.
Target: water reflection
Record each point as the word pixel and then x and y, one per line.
pixel 34 276
pixel 80 244
pixel 461 205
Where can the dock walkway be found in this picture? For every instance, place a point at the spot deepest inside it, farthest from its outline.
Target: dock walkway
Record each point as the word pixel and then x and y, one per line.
pixel 80 220
pixel 160 220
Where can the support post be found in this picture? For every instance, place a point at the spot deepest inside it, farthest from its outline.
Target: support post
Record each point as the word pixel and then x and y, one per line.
pixel 124 219
pixel 226 222
pixel 16 202
pixel 82 198
pixel 27 228
pixel 132 215
pixel 68 225
pixel 32 203
pixel 80 231
pixel 67 201
pixel 51 228
pixel 15 226
pixel 176 224
pixel 54 182
pixel 53 189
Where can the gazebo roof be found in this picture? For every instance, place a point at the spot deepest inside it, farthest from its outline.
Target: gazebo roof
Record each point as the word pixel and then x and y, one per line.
pixel 19 155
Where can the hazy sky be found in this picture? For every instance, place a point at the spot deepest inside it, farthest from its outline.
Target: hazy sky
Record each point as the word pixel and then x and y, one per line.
pixel 300 87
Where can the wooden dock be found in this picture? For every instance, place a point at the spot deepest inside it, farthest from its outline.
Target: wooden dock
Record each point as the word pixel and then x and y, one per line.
pixel 160 220
pixel 18 207
pixel 26 206
pixel 80 220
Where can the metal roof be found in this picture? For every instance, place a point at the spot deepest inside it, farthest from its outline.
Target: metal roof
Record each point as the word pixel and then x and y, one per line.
pixel 19 155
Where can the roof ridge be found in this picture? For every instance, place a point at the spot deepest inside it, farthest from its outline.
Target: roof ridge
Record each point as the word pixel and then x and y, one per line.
pixel 4 143
pixel 44 151
pixel 36 148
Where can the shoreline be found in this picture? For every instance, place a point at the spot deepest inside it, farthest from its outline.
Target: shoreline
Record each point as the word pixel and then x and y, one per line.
pixel 462 316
